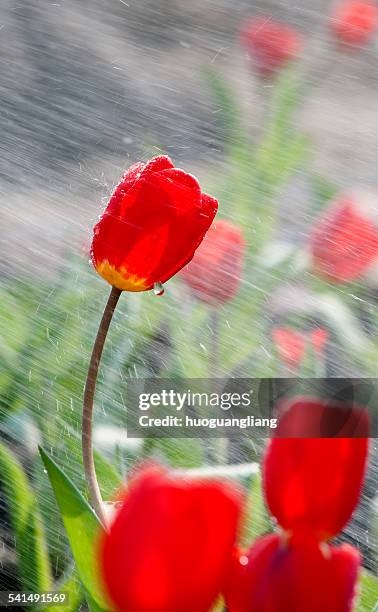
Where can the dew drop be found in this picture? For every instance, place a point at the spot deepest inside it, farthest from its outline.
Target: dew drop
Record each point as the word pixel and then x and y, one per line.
pixel 158 289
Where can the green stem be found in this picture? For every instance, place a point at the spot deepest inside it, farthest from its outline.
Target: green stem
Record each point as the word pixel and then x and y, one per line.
pixel 89 392
pixel 221 450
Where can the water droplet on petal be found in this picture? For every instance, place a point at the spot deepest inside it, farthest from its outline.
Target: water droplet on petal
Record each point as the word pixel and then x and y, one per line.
pixel 158 289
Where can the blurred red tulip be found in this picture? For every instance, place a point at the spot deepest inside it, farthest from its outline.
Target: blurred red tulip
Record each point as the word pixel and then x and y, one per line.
pixel 275 576
pixel 169 547
pixel 270 44
pixel 354 22
pixel 155 220
pixel 291 344
pixel 214 273
pixel 312 484
pixel 344 240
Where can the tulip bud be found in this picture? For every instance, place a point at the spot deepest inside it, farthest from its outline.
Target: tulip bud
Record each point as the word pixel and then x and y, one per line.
pixel 354 22
pixel 270 44
pixel 214 273
pixel 291 345
pixel 151 227
pixel 169 547
pixel 344 241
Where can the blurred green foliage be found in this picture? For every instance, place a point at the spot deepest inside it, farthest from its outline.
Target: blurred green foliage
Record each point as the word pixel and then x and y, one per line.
pixel 83 530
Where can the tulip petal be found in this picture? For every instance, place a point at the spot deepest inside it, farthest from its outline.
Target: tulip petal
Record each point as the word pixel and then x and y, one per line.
pixel 127 181
pixel 344 241
pixel 354 21
pixel 291 346
pixel 312 485
pixel 214 273
pixel 278 577
pixel 131 175
pixel 270 44
pixel 157 164
pixel 170 544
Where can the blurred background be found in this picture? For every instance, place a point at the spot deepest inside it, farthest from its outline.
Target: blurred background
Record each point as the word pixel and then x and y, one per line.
pixel 273 107
pixel 88 86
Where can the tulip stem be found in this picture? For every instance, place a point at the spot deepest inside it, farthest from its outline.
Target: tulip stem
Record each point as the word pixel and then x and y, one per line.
pixel 89 392
pixel 221 451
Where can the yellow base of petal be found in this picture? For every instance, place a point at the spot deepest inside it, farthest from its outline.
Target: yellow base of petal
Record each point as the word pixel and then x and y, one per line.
pixel 120 278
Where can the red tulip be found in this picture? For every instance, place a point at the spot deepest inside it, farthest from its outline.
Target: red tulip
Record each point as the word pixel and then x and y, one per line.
pixel 291 345
pixel 275 576
pixel 312 484
pixel 354 22
pixel 154 222
pixel 344 241
pixel 270 44
pixel 169 547
pixel 214 273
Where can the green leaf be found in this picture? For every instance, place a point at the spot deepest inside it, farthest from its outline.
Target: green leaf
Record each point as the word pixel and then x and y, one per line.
pixel 235 186
pixel 83 529
pixel 368 599
pixel 33 562
pixel 13 326
pixel 71 586
pixel 228 111
pixel 293 157
pixel 323 191
pixel 282 150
